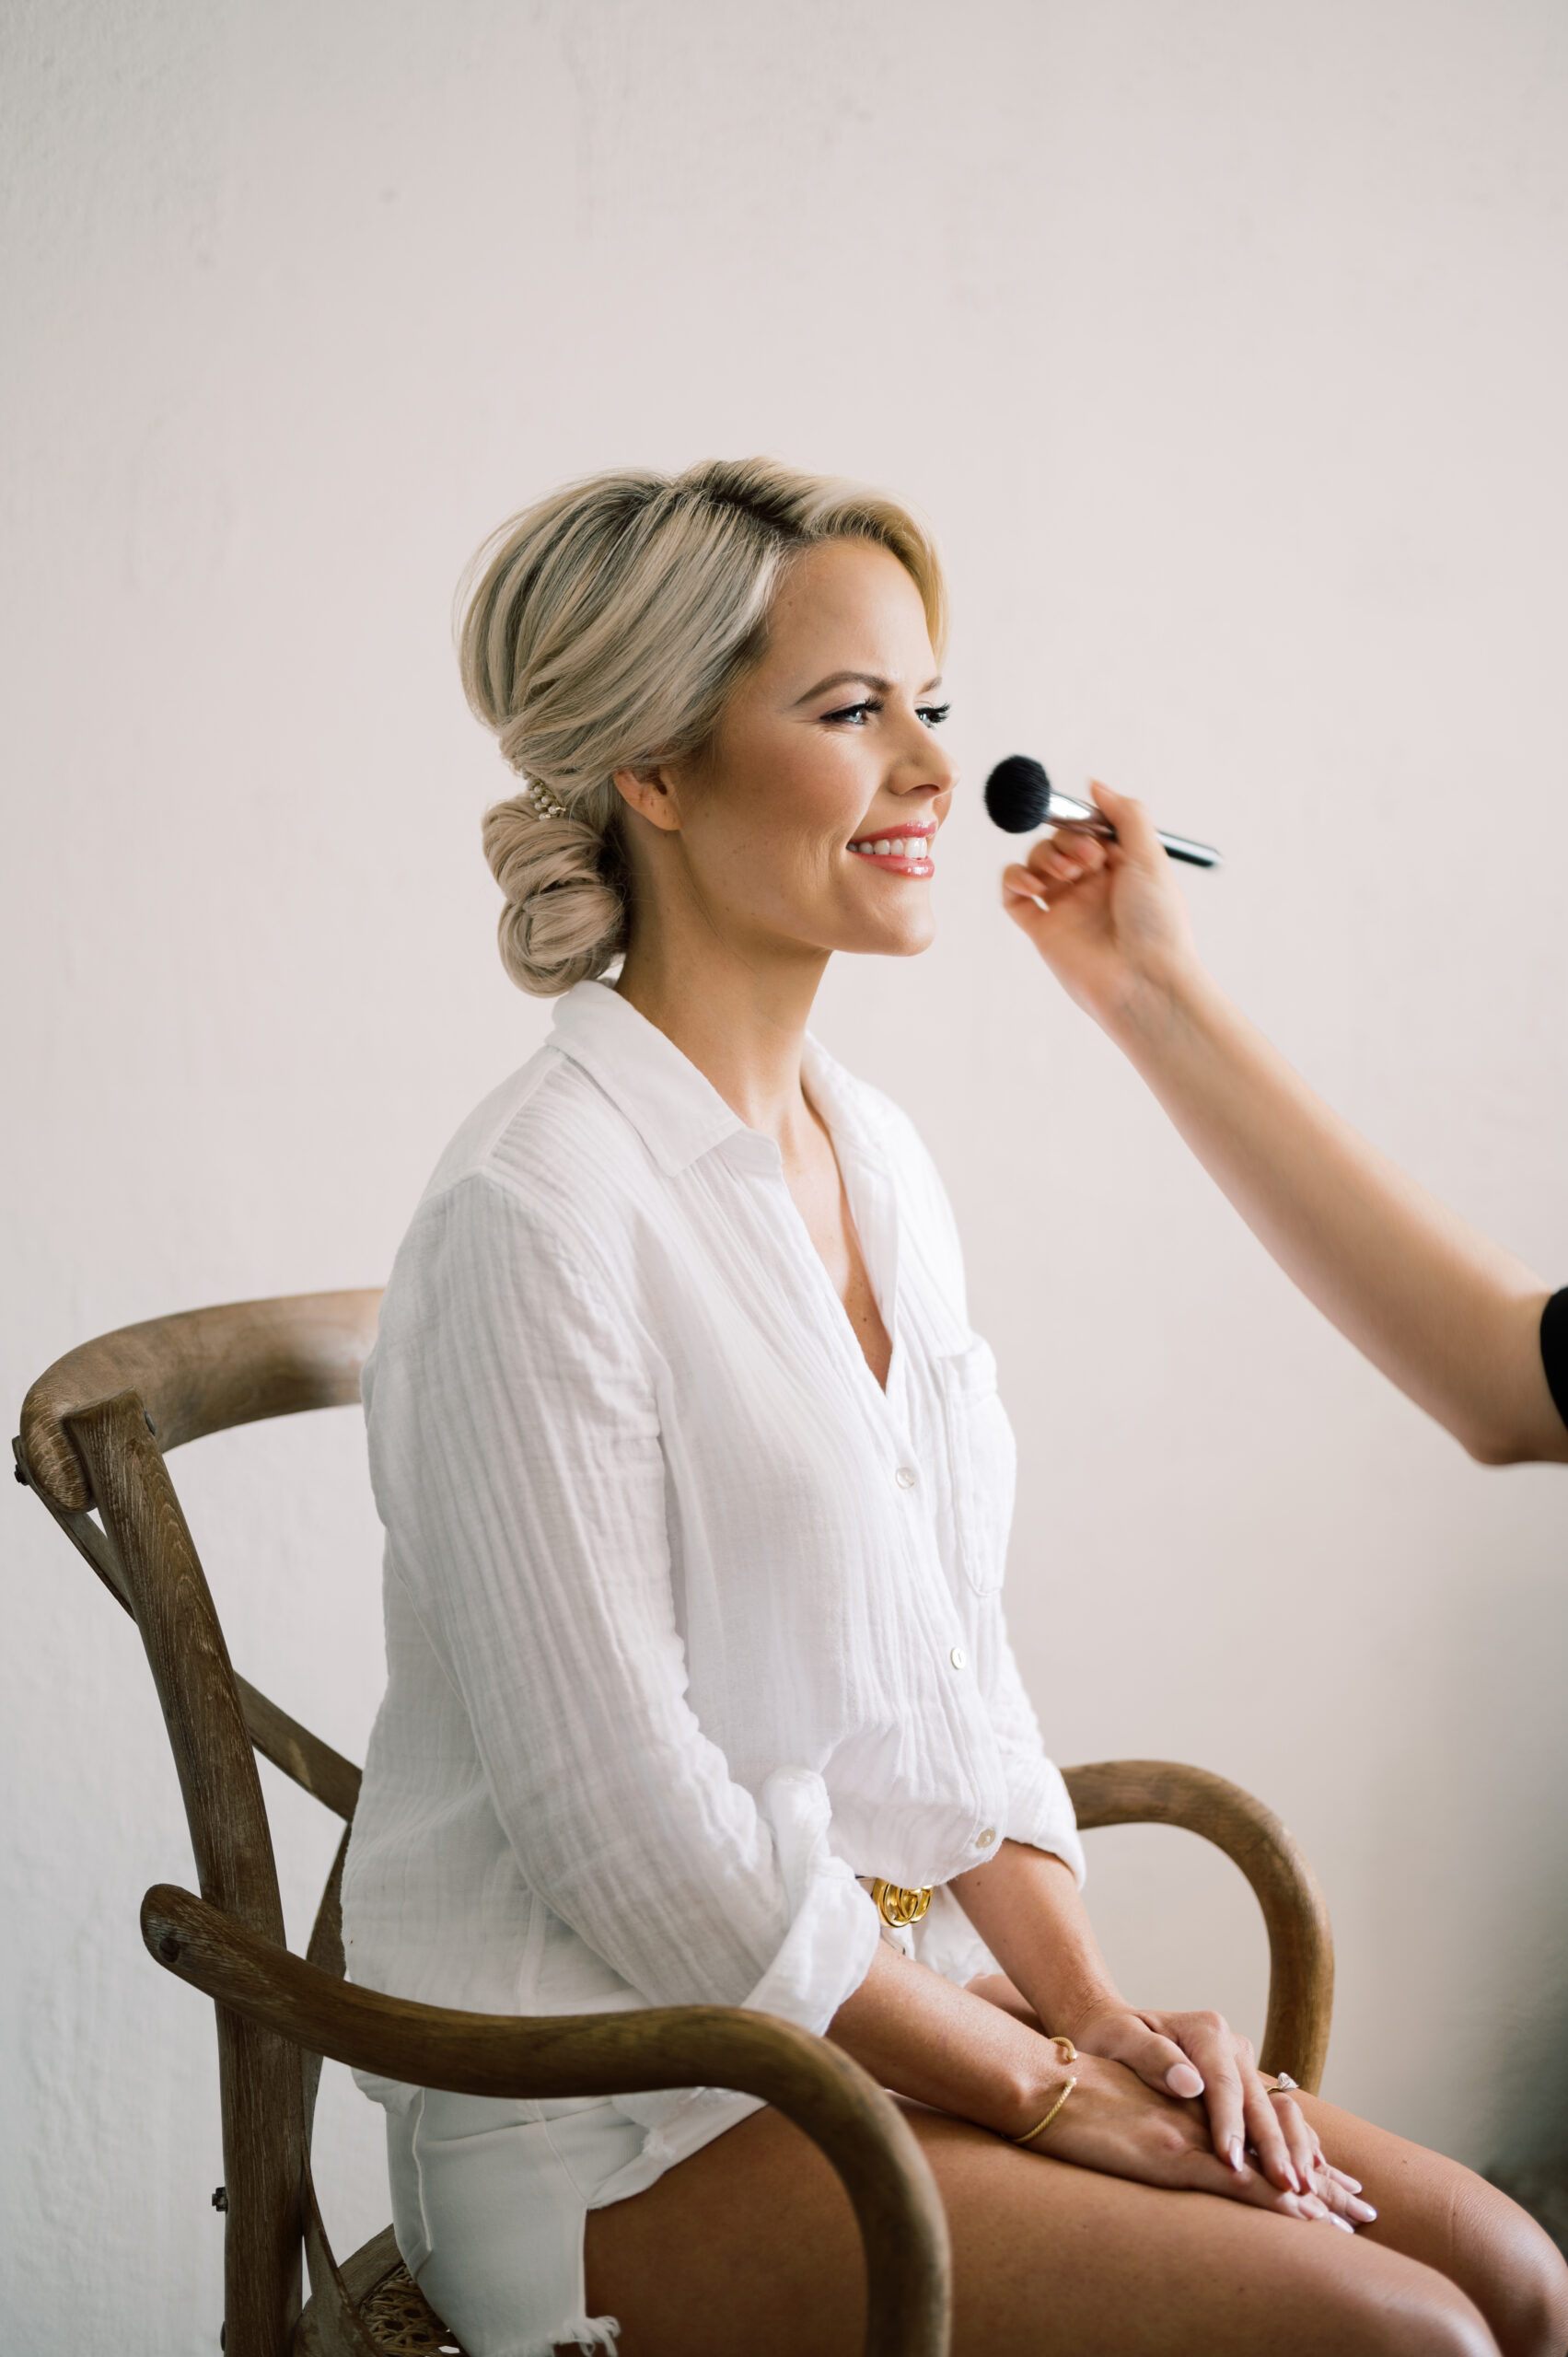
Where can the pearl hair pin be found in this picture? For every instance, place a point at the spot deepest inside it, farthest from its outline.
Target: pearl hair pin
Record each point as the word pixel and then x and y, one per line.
pixel 541 801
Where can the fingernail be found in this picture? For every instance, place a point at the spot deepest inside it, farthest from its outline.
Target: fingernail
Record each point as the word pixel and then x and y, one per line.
pixel 1363 2211
pixel 1236 2155
pixel 1335 2220
pixel 1183 2079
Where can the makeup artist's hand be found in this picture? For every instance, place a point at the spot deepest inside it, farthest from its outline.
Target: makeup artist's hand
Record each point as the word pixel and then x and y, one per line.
pixel 1198 2054
pixel 1108 919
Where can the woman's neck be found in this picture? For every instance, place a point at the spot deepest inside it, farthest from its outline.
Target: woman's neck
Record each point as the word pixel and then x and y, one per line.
pixel 739 1017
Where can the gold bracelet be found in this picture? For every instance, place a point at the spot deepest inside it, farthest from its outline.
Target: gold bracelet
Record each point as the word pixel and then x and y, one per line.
pixel 1042 2125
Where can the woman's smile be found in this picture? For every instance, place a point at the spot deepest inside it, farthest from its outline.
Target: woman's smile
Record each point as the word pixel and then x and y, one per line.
pixel 901 851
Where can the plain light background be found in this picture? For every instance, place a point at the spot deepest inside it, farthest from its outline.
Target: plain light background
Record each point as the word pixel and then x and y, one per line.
pixel 1224 344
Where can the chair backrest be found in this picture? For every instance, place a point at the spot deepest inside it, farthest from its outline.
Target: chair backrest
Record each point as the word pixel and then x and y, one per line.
pixel 95 1428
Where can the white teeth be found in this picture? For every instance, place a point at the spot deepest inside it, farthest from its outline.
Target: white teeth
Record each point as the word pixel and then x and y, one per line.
pixel 893 847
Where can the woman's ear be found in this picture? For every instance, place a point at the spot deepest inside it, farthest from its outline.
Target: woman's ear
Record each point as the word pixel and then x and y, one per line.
pixel 650 793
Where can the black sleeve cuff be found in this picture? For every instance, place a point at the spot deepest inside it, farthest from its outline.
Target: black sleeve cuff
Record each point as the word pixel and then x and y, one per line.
pixel 1555 1348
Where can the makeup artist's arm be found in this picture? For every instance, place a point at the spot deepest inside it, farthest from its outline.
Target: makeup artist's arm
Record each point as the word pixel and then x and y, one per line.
pixel 1450 1317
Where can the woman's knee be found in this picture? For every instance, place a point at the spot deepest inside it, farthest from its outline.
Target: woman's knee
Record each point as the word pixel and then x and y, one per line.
pixel 1432 2318
pixel 1382 2304
pixel 1525 2290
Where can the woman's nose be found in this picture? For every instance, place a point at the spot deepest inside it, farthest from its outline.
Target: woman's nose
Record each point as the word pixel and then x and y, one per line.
pixel 934 764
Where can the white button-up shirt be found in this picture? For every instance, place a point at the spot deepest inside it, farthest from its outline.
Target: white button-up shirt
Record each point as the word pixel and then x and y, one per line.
pixel 688 1623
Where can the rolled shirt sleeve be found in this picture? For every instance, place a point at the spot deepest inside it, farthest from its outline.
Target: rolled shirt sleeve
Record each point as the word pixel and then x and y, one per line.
pixel 515 1442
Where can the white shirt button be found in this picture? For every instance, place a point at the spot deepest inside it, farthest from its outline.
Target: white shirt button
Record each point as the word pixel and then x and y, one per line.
pixel 904 1477
pixel 983 1841
pixel 958 1657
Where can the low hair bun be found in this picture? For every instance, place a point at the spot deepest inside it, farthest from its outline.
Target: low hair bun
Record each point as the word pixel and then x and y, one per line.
pixel 564 919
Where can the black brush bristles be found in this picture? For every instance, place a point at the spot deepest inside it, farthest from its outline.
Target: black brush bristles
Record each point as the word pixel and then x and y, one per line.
pixel 1017 794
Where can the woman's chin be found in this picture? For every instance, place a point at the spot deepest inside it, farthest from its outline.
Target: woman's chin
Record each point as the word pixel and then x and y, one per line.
pixel 914 931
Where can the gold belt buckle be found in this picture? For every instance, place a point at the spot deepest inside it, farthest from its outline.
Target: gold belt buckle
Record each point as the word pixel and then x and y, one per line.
pixel 899 1907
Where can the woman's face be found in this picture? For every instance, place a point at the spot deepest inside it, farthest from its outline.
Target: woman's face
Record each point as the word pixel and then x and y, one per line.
pixel 810 821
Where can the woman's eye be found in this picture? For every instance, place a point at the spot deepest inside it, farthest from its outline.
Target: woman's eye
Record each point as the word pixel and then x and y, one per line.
pixel 854 711
pixel 933 714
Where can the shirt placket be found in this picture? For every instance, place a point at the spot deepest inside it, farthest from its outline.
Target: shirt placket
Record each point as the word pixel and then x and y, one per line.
pixel 872 1207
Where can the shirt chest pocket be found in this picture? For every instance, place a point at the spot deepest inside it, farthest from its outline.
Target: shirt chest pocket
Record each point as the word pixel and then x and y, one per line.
pixel 982 1459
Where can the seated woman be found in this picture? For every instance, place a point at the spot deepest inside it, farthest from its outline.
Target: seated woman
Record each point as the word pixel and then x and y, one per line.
pixel 696 1490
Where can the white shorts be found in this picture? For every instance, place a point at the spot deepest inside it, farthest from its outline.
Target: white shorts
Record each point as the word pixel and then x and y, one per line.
pixel 490 2199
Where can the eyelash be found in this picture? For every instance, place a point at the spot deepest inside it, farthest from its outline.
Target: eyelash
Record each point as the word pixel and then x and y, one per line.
pixel 933 714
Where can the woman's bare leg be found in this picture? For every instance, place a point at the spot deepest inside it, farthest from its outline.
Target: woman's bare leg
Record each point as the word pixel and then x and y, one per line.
pixel 751 2244
pixel 1445 2216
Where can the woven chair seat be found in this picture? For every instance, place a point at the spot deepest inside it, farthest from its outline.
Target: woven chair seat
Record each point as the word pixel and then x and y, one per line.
pixel 401 2320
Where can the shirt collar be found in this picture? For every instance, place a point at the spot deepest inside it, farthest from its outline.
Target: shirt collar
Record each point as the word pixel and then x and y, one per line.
pixel 675 1109
pixel 852 1111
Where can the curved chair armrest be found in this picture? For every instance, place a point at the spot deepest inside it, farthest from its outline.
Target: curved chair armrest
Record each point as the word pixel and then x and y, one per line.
pixel 1301 1944
pixel 813 2082
pixel 200 1371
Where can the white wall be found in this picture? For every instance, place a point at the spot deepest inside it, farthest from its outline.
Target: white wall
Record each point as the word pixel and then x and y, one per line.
pixel 1225 342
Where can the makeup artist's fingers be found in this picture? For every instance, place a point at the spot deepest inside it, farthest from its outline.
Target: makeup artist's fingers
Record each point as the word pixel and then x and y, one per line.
pixel 1025 895
pixel 1136 830
pixel 1055 867
pixel 1071 853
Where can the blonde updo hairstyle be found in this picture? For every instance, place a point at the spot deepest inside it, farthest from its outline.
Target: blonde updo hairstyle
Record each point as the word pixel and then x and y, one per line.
pixel 604 629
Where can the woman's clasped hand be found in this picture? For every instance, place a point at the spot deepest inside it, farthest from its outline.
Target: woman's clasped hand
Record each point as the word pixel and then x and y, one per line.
pixel 1177 2099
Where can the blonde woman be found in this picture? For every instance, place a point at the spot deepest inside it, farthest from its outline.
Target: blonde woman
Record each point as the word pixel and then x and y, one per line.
pixel 696 1490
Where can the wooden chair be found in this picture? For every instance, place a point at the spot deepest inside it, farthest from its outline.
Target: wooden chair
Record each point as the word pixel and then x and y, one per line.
pixel 96 1430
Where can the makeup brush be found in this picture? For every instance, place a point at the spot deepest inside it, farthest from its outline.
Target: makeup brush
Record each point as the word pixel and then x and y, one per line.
pixel 1019 796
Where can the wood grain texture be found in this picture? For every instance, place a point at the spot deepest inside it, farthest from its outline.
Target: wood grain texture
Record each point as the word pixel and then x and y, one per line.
pixel 199 1371
pixel 857 2127
pixel 1301 1943
pixel 360 2274
pixel 330 2323
pixel 326 1953
pixel 259 2073
pixel 314 1765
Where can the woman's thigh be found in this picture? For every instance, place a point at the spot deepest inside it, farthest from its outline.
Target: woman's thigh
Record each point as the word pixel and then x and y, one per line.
pixel 1435 2211
pixel 751 2244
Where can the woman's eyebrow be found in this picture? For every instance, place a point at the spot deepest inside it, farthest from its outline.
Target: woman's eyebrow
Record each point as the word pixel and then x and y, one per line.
pixel 866 679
